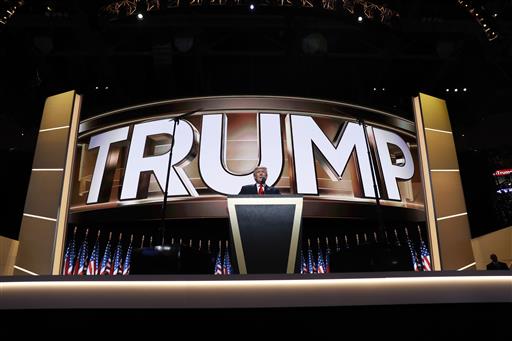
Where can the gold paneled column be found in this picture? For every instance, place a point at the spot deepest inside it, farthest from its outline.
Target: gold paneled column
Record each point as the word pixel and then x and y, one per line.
pixel 447 218
pixel 46 206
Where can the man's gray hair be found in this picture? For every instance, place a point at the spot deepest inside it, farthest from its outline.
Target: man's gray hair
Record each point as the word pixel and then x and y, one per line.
pixel 259 167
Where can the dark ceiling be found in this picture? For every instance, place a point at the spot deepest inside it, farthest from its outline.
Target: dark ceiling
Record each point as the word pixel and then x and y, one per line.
pixel 48 47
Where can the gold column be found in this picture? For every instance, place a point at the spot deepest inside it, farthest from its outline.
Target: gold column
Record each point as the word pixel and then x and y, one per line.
pixel 447 218
pixel 46 206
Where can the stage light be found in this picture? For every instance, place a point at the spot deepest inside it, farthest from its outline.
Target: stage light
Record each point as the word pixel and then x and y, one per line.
pixel 495 15
pixel 106 88
pixel 360 19
pixel 456 90
pixel 140 16
pixel 465 89
pixel 251 7
pixel 447 90
pixel 97 87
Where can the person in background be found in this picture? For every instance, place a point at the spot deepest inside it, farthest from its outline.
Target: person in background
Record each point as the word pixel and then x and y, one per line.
pixel 495 264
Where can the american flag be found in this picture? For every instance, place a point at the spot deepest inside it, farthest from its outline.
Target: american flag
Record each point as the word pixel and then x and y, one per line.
pixel 93 267
pixel 303 265
pixel 327 256
pixel 414 255
pixel 106 261
pixel 218 263
pixel 128 259
pixel 311 262
pixel 69 256
pixel 321 261
pixel 81 260
pixel 227 269
pixel 425 257
pixel 118 258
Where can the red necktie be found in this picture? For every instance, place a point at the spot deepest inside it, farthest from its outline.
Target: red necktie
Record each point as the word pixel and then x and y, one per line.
pixel 261 191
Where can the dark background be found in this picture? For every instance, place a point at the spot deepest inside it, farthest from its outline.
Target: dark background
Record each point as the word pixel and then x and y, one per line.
pixel 435 47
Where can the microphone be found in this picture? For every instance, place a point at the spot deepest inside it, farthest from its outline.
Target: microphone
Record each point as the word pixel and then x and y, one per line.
pixel 263 179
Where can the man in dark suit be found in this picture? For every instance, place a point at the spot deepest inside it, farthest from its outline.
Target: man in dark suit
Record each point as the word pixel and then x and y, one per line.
pixel 495 264
pixel 260 176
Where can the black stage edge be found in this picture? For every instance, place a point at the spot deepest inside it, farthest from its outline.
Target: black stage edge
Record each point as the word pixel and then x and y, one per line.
pixel 484 321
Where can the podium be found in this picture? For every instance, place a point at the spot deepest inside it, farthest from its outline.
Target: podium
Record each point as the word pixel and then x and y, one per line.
pixel 265 230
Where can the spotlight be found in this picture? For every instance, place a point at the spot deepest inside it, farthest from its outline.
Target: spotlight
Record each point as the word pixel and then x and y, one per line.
pixel 140 16
pixel 447 90
pixel 374 89
pixel 106 88
pixel 455 90
pixel 495 15
pixel 465 89
pixel 251 7
pixel 97 87
pixel 360 19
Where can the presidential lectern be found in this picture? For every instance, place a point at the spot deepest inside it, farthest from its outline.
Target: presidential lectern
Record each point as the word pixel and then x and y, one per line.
pixel 265 230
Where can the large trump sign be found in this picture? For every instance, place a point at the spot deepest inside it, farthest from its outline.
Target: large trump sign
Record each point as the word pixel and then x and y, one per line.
pixel 312 148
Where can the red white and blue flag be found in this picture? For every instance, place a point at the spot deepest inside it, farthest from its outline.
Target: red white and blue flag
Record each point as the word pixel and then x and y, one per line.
pixel 303 264
pixel 311 261
pixel 320 262
pixel 227 269
pixel 425 257
pixel 118 258
pixel 69 256
pixel 327 257
pixel 81 260
pixel 93 266
pixel 128 259
pixel 106 260
pixel 218 263
pixel 414 255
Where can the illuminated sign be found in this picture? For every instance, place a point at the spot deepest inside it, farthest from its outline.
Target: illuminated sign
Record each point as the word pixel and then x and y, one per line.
pixel 503 172
pixel 308 147
pixel 303 132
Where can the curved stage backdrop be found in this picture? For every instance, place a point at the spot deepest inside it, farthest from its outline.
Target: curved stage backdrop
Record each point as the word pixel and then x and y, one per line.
pixel 346 161
pixel 313 148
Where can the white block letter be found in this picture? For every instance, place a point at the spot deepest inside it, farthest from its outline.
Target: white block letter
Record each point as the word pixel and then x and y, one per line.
pixel 212 156
pixel 305 133
pixel 392 172
pixel 179 183
pixel 103 141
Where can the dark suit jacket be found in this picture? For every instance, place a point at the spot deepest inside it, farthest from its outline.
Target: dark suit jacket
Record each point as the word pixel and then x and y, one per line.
pixel 252 189
pixel 497 266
